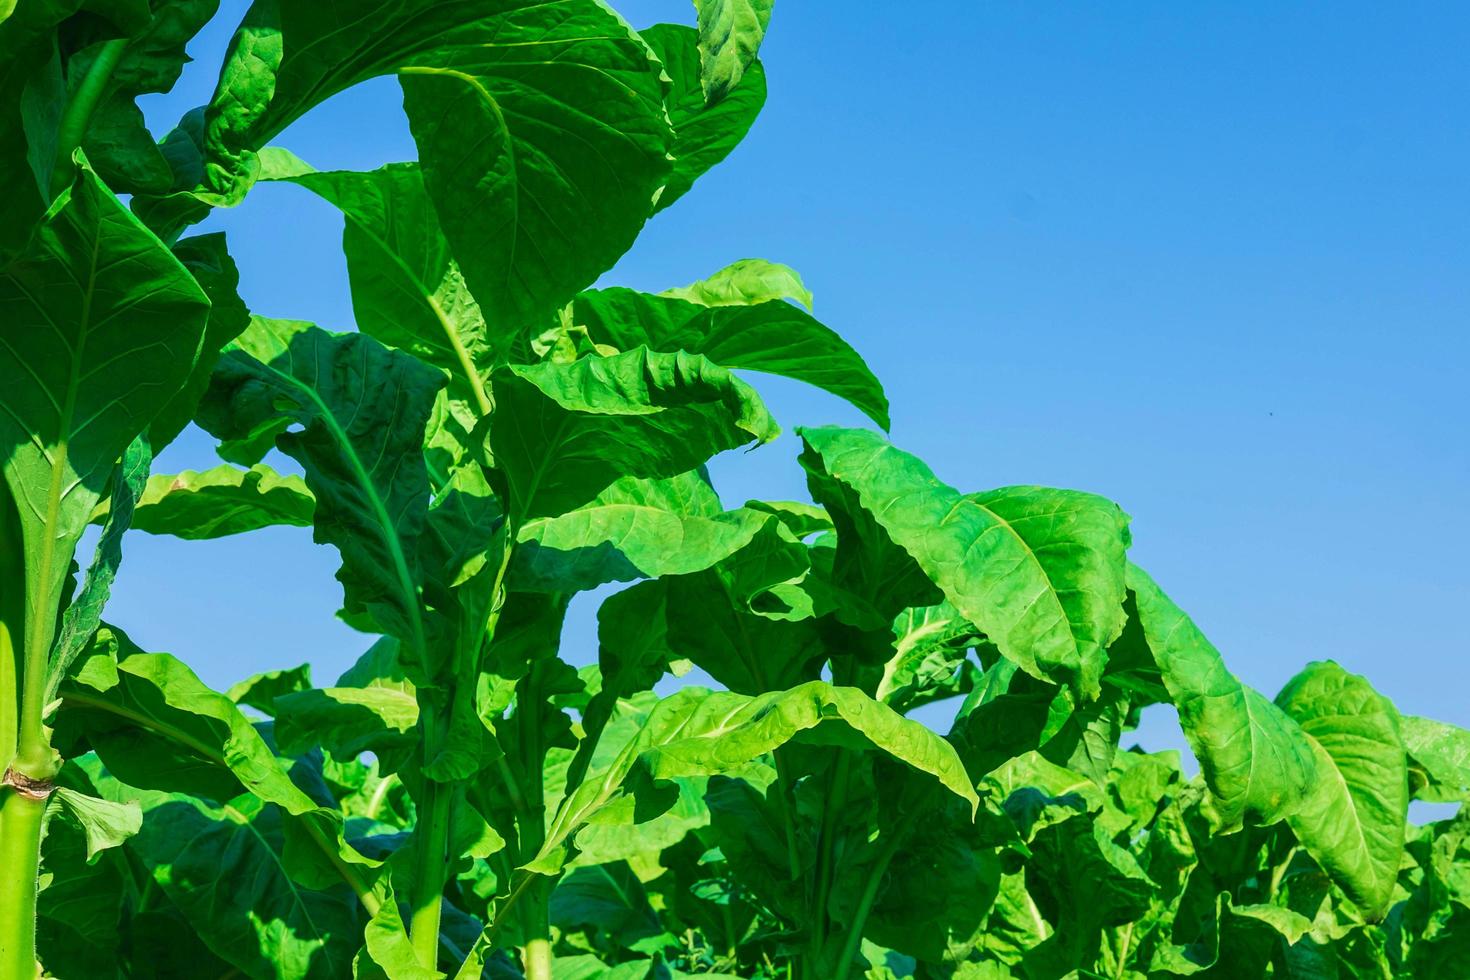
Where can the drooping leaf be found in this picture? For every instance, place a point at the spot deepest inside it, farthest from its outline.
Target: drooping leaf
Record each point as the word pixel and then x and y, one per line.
pixel 407 288
pixel 1040 572
pixel 102 327
pixel 156 726
pixel 1355 817
pixel 633 529
pixel 84 614
pixel 105 823
pixel 565 432
pixel 772 336
pixel 704 133
pixel 226 869
pixel 209 262
pixel 260 691
pixel 198 505
pixel 730 34
pixel 347 721
pixel 1256 760
pixel 117 140
pixel 361 410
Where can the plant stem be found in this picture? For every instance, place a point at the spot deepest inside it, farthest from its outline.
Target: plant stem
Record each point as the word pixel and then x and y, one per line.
pixel 536 959
pixel 20 860
pixel 431 833
pixel 826 847
pixel 78 112
pixel 431 860
pixel 896 837
pixel 12 626
pixel 783 791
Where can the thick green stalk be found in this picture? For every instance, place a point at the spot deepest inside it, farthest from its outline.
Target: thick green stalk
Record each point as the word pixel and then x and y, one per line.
pixel 854 938
pixel 536 959
pixel 12 626
pixel 431 833
pixel 826 850
pixel 431 838
pixel 20 860
pixel 78 112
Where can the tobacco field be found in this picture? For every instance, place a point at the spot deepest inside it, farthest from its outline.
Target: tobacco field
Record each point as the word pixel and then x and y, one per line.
pixel 494 436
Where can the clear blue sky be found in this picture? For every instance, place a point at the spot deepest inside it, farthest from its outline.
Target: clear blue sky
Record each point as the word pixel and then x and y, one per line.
pixel 1208 260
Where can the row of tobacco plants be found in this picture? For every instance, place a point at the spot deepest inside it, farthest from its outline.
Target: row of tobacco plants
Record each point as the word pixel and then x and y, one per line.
pixel 496 437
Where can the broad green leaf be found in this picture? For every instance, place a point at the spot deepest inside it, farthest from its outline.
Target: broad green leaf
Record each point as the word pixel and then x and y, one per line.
pixel 704 133
pixel 699 732
pixel 731 622
pixel 102 327
pixel 117 140
pixel 84 614
pixel 747 282
pixel 1258 763
pixel 208 261
pixel 361 410
pixel 1440 759
pixel 260 691
pixel 156 726
pixel 565 432
pixel 1087 883
pixel 347 721
pixel 225 500
pixel 1354 818
pixel 105 823
pixel 633 529
pixel 29 76
pixel 611 900
pixel 407 289
pixel 226 869
pixel 730 33
pixel 771 336
pixel 1040 572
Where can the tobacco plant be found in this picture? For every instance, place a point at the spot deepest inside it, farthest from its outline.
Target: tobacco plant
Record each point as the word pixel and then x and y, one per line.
pixel 496 437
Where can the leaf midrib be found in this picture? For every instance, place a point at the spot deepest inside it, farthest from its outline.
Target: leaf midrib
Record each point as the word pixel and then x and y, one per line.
pixel 380 509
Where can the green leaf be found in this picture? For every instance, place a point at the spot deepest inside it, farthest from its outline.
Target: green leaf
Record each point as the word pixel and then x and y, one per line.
pixel 102 327
pixel 156 726
pixel 407 289
pixel 747 282
pixel 29 77
pixel 208 261
pixel 387 946
pixel 1258 763
pixel 698 732
pixel 1087 883
pixel 347 721
pixel 222 501
pixel 1440 757
pixel 730 34
pixel 105 823
pixel 1039 571
pixel 771 336
pixel 225 868
pixel 565 432
pixel 117 140
pixel 84 614
pixel 260 691
pixel 704 134
pixel 361 410
pixel 633 529
pixel 1354 818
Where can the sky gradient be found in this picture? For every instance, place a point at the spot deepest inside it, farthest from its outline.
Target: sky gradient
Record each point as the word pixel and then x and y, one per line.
pixel 1209 262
